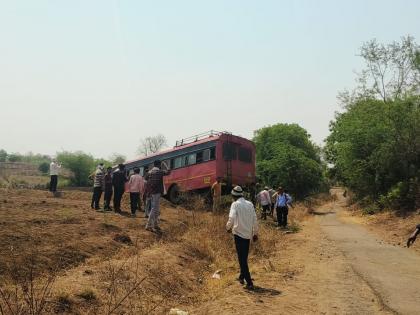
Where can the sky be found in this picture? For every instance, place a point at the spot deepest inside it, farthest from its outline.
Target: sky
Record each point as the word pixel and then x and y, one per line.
pixel 98 76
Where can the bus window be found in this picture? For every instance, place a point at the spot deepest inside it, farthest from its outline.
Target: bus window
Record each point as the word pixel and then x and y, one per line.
pixel 212 153
pixel 192 159
pixel 229 151
pixel 142 171
pixel 206 155
pixel 166 165
pixel 178 162
pixel 199 157
pixel 245 155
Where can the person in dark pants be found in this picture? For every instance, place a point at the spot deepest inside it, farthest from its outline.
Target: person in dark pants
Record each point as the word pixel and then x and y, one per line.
pixel 244 226
pixel 282 207
pixel 98 185
pixel 264 200
pixel 118 182
pixel 136 188
pixel 54 170
pixel 413 236
pixel 155 188
pixel 108 189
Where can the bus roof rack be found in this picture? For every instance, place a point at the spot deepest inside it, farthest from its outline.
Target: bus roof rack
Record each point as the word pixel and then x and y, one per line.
pixel 200 136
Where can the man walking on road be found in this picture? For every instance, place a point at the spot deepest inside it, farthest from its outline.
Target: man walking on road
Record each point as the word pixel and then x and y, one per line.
pixel 155 188
pixel 54 171
pixel 118 181
pixel 282 207
pixel 265 201
pixel 244 226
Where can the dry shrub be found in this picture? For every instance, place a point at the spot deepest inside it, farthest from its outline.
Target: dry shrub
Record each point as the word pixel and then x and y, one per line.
pixel 207 238
pixel 63 303
pixel 266 244
pixel 194 202
pixel 88 295
pixel 25 291
pixel 123 289
pixel 123 238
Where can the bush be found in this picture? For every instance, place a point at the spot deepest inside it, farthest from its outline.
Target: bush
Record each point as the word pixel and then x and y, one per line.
pixel 3 155
pixel 81 165
pixel 44 167
pixel 371 209
pixel 14 157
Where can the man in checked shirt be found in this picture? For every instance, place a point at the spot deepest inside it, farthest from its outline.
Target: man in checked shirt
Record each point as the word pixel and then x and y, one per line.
pixel 154 187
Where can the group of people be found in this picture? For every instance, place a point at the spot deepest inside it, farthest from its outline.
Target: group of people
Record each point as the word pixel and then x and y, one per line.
pixel 242 221
pixel 279 200
pixel 144 191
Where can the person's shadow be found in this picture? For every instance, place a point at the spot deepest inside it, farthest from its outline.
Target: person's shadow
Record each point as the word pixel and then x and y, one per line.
pixel 265 291
pixel 322 213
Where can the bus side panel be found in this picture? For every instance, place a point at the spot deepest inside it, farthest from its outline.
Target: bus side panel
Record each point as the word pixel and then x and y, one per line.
pixel 192 177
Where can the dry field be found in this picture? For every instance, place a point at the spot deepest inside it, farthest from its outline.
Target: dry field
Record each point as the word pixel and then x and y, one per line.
pixel 60 256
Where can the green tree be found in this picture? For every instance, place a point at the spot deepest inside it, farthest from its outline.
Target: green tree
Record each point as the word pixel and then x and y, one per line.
pixel 375 146
pixel 80 164
pixel 286 156
pixel 15 157
pixel 116 158
pixel 3 155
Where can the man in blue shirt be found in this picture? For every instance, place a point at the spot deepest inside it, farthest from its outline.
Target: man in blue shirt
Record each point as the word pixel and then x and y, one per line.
pixel 282 207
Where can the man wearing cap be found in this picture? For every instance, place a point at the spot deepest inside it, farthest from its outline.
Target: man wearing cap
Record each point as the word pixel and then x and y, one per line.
pixel 244 226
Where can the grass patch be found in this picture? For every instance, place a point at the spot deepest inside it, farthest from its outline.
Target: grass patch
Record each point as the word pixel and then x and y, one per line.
pixel 88 295
pixel 63 303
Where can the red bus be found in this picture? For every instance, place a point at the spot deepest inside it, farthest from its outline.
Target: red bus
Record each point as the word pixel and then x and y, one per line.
pixel 197 162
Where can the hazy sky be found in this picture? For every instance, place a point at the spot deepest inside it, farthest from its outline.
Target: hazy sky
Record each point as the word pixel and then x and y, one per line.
pixel 99 75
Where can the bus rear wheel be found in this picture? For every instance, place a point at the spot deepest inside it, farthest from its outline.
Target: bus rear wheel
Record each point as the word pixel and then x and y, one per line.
pixel 173 194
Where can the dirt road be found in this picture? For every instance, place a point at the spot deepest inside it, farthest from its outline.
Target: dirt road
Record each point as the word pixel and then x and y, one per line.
pixel 332 266
pixel 392 273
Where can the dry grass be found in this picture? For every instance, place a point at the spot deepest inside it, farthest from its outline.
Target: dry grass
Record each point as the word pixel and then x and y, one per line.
pixel 108 264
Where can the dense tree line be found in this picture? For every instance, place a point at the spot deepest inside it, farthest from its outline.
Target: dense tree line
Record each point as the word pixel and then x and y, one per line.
pixel 374 145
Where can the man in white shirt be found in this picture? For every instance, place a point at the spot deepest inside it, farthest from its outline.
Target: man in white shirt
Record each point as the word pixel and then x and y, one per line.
pixel 54 170
pixel 264 199
pixel 244 226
